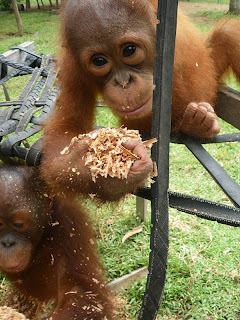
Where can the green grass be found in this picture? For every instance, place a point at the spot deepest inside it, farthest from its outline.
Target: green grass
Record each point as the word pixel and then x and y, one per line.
pixel 42 27
pixel 215 15
pixel 203 267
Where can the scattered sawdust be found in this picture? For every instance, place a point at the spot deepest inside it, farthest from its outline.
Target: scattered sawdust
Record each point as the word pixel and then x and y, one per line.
pixel 7 313
pixel 10 297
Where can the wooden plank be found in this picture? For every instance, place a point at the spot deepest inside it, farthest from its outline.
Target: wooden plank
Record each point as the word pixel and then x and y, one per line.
pixel 228 106
pixel 124 282
pixel 17 55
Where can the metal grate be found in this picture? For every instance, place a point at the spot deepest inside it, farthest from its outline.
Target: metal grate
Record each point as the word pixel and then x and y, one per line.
pixel 21 119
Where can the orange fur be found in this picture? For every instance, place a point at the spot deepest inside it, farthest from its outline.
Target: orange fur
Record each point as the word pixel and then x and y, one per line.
pixel 194 77
pixel 200 62
pixel 62 264
pixel 224 42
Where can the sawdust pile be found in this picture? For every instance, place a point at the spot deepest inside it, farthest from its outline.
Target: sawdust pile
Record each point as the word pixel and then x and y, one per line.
pixel 7 313
pixel 106 154
pixel 16 301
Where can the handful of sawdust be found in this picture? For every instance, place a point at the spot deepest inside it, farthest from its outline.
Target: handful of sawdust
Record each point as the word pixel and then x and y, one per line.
pixel 106 154
pixel 7 313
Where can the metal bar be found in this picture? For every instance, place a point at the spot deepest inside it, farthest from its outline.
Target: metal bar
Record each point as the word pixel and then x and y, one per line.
pixel 197 206
pixel 228 106
pixel 162 101
pixel 230 137
pixel 205 209
pixel 227 184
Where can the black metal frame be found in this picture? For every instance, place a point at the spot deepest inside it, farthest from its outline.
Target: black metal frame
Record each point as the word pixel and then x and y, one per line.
pixel 161 127
pixel 23 118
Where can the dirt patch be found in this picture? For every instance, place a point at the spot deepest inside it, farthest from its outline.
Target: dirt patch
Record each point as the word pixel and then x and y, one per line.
pixel 190 9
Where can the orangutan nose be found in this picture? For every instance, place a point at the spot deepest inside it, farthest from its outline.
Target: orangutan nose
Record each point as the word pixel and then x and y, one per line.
pixel 8 241
pixel 123 79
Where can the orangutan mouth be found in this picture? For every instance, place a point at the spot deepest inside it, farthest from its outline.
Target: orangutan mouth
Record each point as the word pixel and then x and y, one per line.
pixel 138 110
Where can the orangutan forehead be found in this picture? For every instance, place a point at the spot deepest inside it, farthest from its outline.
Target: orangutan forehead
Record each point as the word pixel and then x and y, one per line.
pixel 85 20
pixel 107 8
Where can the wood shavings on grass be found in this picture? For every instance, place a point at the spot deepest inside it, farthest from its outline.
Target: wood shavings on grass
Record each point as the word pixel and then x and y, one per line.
pixel 106 155
pixel 7 313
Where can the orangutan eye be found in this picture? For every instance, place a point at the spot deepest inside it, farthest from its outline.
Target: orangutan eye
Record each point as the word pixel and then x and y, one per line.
pixel 99 65
pixel 129 50
pixel 99 61
pixel 2 224
pixel 132 54
pixel 18 225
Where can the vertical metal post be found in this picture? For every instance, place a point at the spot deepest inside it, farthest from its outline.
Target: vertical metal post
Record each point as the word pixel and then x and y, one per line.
pixel 161 126
pixel 141 208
